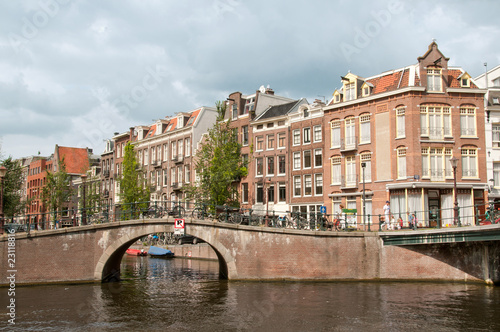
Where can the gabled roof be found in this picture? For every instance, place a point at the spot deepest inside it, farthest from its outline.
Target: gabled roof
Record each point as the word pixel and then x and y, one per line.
pixel 277 110
pixel 75 159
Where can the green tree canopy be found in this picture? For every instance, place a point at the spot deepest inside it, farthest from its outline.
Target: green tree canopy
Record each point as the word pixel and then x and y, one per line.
pixel 133 185
pixel 58 191
pixel 13 203
pixel 218 164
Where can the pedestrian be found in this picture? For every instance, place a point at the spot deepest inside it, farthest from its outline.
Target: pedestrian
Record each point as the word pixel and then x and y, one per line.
pixel 393 223
pixel 387 212
pixel 400 223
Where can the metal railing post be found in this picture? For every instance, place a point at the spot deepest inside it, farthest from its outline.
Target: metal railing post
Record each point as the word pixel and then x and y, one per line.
pixel 379 223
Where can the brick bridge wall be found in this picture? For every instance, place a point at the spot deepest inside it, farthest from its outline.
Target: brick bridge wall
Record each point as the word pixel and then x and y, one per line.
pixel 93 253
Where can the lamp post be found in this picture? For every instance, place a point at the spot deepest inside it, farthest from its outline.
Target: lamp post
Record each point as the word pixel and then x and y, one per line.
pixel 363 166
pixel 454 164
pixel 3 172
pixel 266 195
pixel 84 211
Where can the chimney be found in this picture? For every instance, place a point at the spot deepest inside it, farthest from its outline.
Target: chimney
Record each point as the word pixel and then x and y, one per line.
pixel 269 91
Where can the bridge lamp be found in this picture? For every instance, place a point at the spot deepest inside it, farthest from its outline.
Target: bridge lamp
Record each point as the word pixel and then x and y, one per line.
pixel 84 211
pixel 3 172
pixel 454 164
pixel 363 166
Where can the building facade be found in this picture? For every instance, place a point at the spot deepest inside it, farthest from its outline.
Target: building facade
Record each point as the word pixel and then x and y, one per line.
pixel 404 126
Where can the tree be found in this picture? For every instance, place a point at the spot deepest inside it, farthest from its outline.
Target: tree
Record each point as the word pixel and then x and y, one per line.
pixel 218 164
pixel 58 191
pixel 133 185
pixel 13 203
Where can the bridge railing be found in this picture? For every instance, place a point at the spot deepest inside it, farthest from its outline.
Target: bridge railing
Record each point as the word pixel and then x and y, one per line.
pixel 345 220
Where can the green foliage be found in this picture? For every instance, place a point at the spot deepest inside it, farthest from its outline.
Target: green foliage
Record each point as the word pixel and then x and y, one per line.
pixel 133 185
pixel 218 164
pixel 58 191
pixel 13 203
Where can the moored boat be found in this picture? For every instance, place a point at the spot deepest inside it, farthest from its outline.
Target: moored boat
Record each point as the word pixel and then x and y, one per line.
pixel 136 252
pixel 160 252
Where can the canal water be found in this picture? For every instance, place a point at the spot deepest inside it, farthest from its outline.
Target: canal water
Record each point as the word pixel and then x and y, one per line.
pixel 186 295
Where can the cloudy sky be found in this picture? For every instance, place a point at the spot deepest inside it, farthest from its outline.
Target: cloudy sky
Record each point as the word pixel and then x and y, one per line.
pixel 73 72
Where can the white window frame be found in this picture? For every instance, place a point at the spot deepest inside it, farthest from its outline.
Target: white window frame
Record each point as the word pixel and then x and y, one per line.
pixel 308 184
pixel 367 159
pixel 318 134
pixel 469 163
pixel 318 152
pixel 364 128
pixel 296 161
pixel 335 134
pixel 401 122
pixel 434 80
pixel 296 137
pixel 305 166
pixel 468 122
pixel 336 170
pixel 306 135
pixel 297 186
pixel 401 157
pixel 318 183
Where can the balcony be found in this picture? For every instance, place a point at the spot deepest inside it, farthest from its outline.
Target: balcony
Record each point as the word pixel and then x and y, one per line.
pixel 156 163
pixel 178 159
pixel 349 181
pixel 349 144
pixel 177 185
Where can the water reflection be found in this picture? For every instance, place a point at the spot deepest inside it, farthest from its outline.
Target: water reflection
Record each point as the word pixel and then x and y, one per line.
pixel 186 295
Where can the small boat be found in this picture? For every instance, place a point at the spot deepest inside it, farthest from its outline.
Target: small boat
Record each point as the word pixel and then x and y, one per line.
pixel 160 252
pixel 137 252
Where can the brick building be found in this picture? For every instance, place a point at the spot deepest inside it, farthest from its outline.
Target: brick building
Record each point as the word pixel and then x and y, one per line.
pixel 242 110
pixel 404 126
pixel 165 151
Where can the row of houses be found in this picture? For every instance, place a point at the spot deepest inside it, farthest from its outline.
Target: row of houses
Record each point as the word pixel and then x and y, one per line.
pixel 388 137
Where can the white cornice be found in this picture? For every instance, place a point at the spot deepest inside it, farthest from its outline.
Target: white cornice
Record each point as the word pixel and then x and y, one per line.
pixel 375 97
pixel 465 90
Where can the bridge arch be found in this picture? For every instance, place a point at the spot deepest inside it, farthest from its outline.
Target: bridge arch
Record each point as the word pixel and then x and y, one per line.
pixel 108 266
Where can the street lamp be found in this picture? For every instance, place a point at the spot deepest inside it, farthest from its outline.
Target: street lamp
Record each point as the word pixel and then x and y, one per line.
pixel 3 172
pixel 454 164
pixel 363 166
pixel 84 211
pixel 266 195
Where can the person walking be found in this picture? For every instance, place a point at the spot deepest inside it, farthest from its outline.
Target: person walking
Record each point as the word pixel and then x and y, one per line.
pixel 387 212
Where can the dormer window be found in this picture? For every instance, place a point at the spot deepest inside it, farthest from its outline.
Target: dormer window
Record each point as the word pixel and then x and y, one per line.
pixel 434 79
pixel 337 98
pixel 366 89
pixel 250 105
pixel 235 111
pixel 306 113
pixel 496 82
pixel 350 91
pixel 496 100
pixel 464 80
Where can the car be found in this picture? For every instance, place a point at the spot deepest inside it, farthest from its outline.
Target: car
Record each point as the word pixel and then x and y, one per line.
pixel 188 239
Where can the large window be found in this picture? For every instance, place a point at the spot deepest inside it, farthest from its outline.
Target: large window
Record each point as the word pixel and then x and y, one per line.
pixel 433 79
pixel 317 134
pixel 350 91
pixel 260 193
pixel 296 160
pixel 435 121
pixel 259 143
pixel 335 131
pixel 307 135
pixel 296 186
pixel 401 163
pixel 187 176
pixel 270 142
pixel 250 105
pixel 281 140
pixel 469 163
pixel 307 185
pixel 181 147
pixel 296 137
pixel 496 175
pixel 350 133
pixel 350 171
pixel 436 163
pixel 282 192
pixel 188 146
pixel 244 133
pixel 364 128
pixel 336 170
pixel 318 158
pixel 496 135
pixel 244 192
pixel 259 166
pixel 467 121
pixel 307 159
pixel 318 184
pixel 270 165
pixel 400 122
pixel 165 152
pixel 281 165
pixel 367 159
pixel 270 193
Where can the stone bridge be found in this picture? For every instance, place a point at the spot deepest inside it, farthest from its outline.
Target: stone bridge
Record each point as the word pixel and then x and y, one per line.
pixel 93 253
